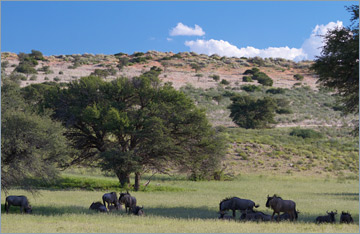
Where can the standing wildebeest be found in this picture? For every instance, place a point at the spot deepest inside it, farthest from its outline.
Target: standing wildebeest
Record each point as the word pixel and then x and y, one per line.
pixel 279 205
pixel 128 200
pixel 98 206
pixel 137 210
pixel 21 201
pixel 330 218
pixel 346 217
pixel 235 203
pixel 111 198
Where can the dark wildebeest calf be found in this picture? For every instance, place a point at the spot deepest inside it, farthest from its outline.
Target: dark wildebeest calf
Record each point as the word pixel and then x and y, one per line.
pixel 111 198
pixel 285 216
pixel 235 203
pixel 279 205
pixel 330 218
pixel 346 217
pixel 21 201
pixel 128 200
pixel 98 206
pixel 137 210
pixel 255 216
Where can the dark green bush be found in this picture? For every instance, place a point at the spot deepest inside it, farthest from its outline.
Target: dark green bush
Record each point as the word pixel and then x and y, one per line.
pixel 224 82
pixel 262 78
pixel 215 77
pixel 298 77
pixel 305 133
pixel 247 79
pixel 250 88
pixel 276 91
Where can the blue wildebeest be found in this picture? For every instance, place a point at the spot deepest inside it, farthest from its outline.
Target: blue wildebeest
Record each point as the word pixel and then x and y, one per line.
pixel 111 198
pixel 98 206
pixel 235 203
pixel 286 216
pixel 128 200
pixel 21 201
pixel 330 218
pixel 346 217
pixel 137 210
pixel 255 216
pixel 279 205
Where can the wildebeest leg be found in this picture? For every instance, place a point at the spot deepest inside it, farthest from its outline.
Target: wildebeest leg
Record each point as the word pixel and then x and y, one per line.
pixel 7 208
pixel 278 217
pixel 272 216
pixel 234 213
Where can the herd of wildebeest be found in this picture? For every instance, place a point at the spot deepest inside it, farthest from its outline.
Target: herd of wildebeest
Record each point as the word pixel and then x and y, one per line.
pixel 111 203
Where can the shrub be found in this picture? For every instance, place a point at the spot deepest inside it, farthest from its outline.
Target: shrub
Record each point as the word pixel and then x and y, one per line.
pixel 282 111
pixel 215 77
pixel 276 91
pixel 252 71
pixel 138 54
pixel 56 79
pixel 247 79
pixel 25 68
pixel 224 82
pixel 4 64
pixel 250 88
pixel 298 77
pixel 177 56
pixel 263 79
pixel 46 78
pixel 305 133
pixel 61 72
pixel 33 77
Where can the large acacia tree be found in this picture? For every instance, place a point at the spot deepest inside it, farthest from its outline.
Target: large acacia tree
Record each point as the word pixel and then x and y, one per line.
pixel 131 125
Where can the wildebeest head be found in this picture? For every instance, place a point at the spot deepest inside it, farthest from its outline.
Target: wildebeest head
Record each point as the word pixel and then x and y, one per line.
pixel 332 215
pixel 28 210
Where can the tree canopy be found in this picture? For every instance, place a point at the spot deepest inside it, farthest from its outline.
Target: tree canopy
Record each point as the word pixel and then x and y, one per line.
pixel 338 64
pixel 32 145
pixel 133 125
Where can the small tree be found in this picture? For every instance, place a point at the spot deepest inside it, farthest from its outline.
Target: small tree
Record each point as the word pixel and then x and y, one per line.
pixel 248 112
pixel 224 82
pixel 298 77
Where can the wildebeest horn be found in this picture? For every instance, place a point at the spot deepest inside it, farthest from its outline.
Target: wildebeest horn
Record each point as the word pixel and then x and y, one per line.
pixel 327 212
pixel 268 196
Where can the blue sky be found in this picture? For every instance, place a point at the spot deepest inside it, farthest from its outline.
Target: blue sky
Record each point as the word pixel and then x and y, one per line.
pixel 227 28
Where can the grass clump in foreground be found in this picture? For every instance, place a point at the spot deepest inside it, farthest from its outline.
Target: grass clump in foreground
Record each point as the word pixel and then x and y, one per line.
pixel 191 210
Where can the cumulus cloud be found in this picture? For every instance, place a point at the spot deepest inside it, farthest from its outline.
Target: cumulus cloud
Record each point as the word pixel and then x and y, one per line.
pixel 183 30
pixel 312 45
pixel 310 48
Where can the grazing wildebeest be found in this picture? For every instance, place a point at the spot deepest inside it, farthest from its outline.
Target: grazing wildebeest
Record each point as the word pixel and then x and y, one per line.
pixel 137 210
pixel 21 201
pixel 279 205
pixel 330 218
pixel 111 198
pixel 286 216
pixel 346 217
pixel 235 203
pixel 128 200
pixel 98 206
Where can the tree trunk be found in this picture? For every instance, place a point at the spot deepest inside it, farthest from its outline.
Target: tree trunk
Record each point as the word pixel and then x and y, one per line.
pixel 124 178
pixel 137 181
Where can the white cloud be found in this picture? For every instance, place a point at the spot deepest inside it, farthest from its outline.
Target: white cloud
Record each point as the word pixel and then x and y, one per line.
pixel 169 39
pixel 183 30
pixel 224 48
pixel 312 45
pixel 310 48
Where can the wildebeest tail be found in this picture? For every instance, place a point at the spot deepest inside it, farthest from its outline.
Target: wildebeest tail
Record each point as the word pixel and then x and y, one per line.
pixel 256 206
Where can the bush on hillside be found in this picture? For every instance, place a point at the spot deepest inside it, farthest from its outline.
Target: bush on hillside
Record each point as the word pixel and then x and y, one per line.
pixel 250 88
pixel 305 133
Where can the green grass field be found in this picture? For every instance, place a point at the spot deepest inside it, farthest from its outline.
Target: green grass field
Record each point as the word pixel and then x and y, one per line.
pixel 187 206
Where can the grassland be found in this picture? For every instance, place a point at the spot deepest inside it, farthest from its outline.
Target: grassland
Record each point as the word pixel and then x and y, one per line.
pixel 188 206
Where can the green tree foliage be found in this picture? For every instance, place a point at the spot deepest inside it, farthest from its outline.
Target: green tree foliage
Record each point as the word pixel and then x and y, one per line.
pixel 338 64
pixel 32 145
pixel 305 133
pixel 250 88
pixel 247 79
pixel 262 78
pixel 248 112
pixel 131 125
